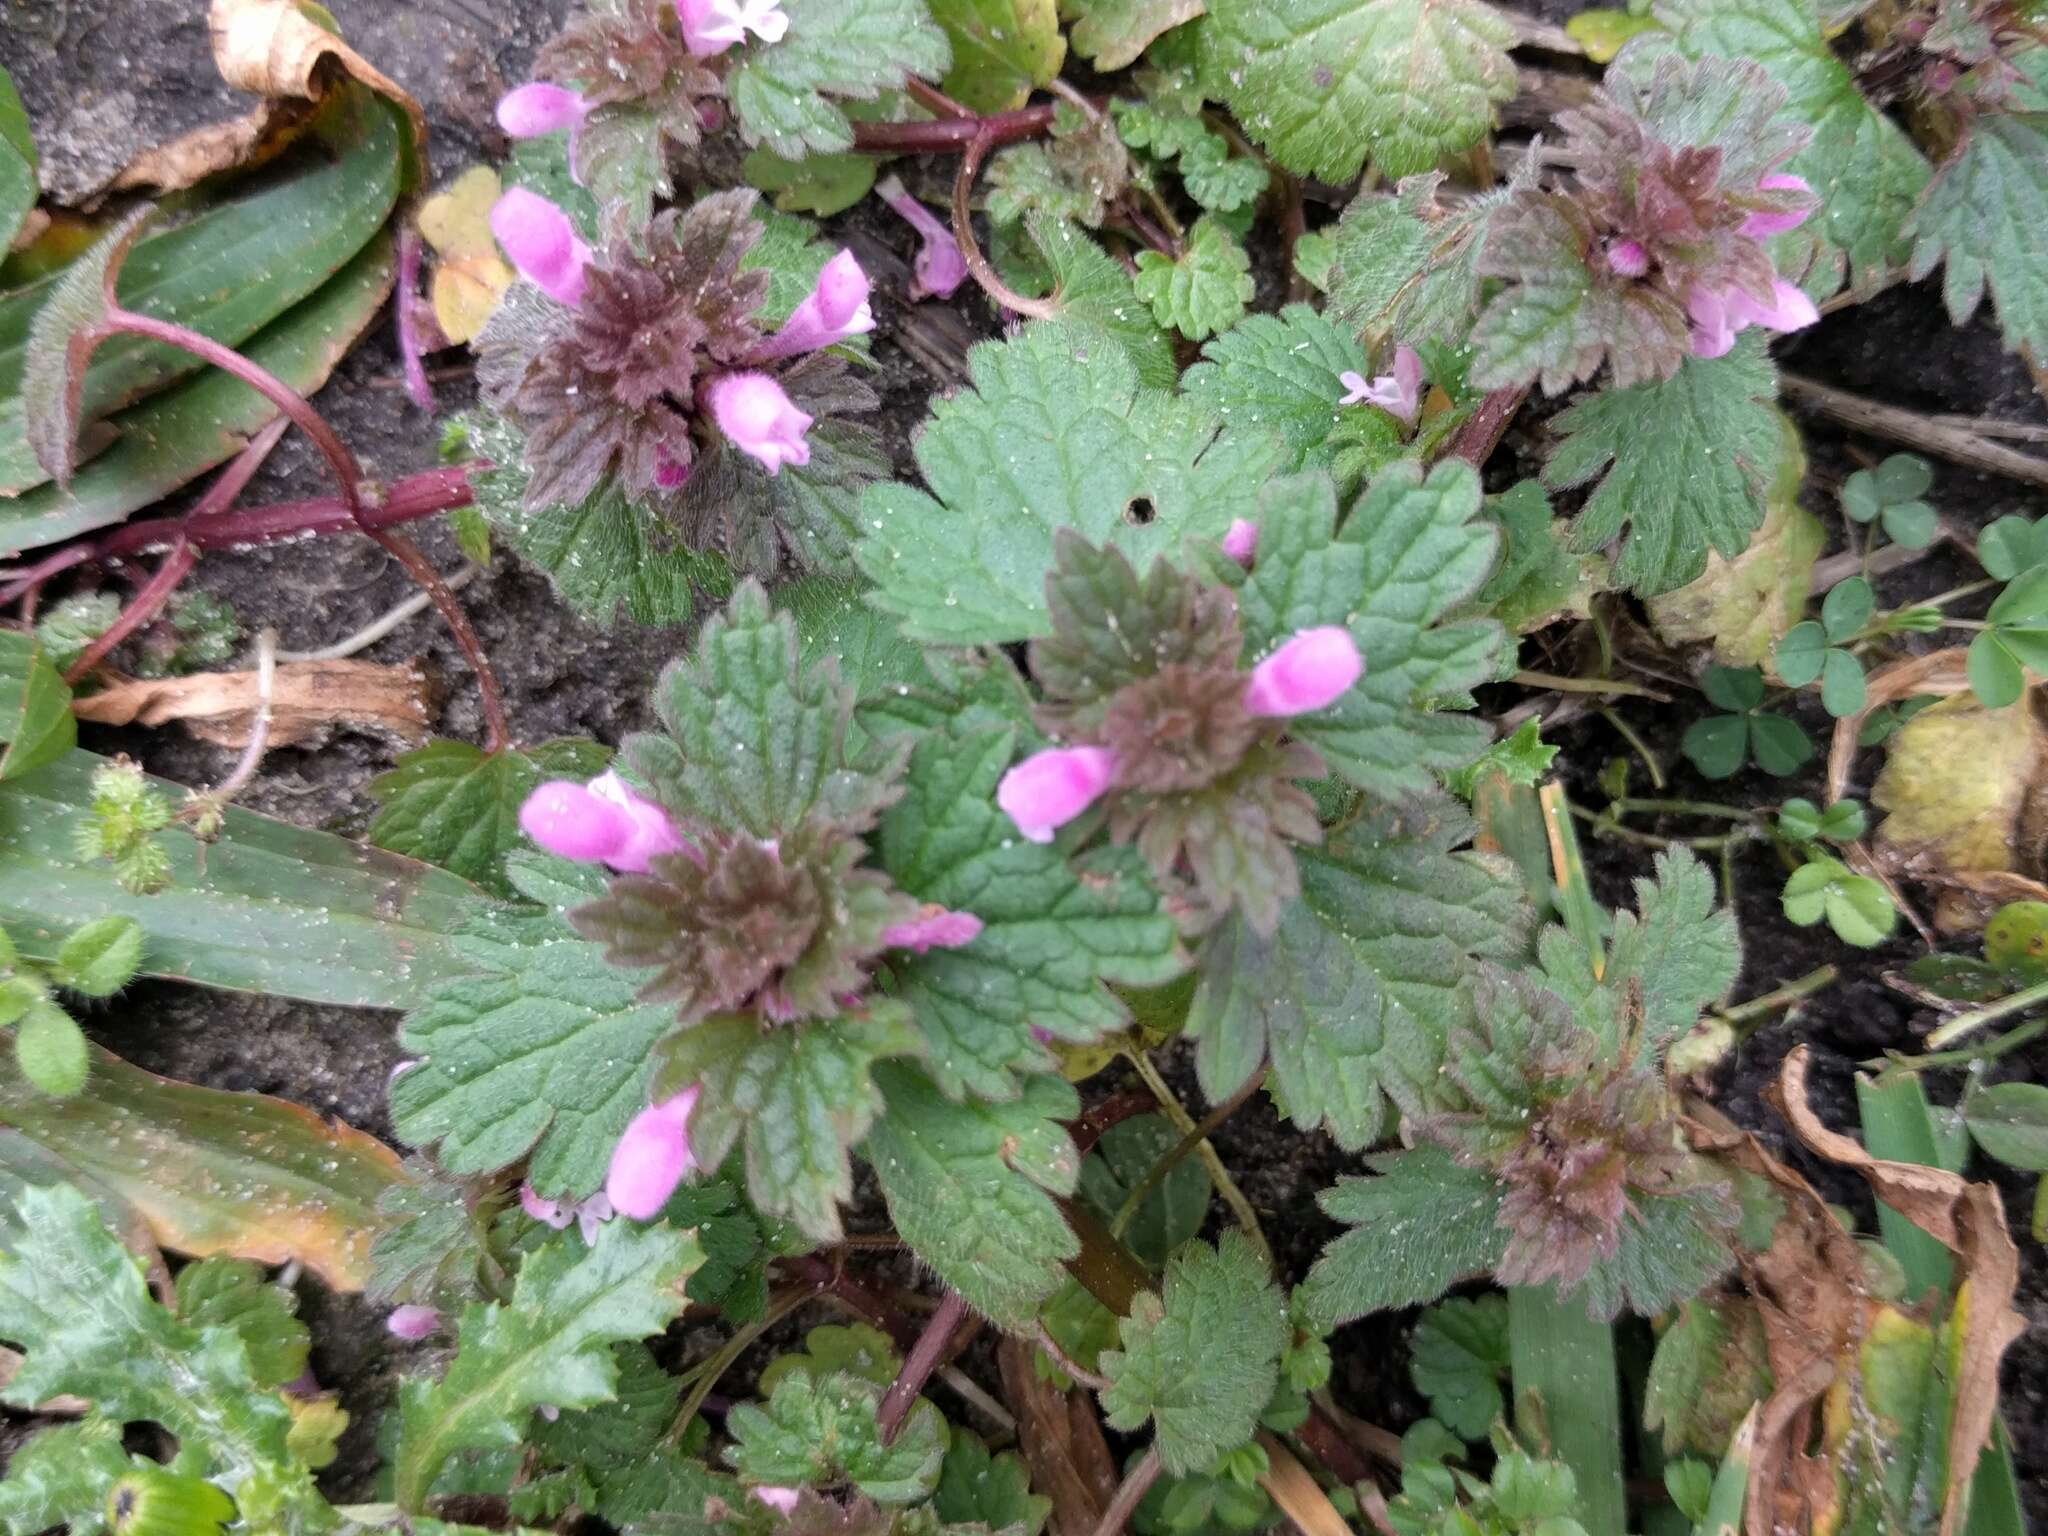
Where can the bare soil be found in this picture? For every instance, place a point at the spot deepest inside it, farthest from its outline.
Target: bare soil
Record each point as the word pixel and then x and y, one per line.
pixel 104 78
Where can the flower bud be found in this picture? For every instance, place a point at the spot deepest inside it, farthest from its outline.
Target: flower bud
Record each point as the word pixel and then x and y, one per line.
pixel 538 108
pixel 760 420
pixel 412 1323
pixel 542 244
pixel 933 928
pixel 571 822
pixel 652 1157
pixel 650 834
pixel 1627 258
pixel 1311 671
pixel 781 1500
pixel 1241 543
pixel 1766 222
pixel 1050 788
pixel 836 308
pixel 938 267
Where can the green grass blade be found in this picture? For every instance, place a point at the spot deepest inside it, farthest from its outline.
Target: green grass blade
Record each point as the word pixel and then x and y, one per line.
pixel 273 908
pixel 1899 1126
pixel 1568 1391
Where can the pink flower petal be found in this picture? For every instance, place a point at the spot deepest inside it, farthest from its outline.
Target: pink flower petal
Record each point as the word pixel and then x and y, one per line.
pixel 1311 671
pixel 934 928
pixel 542 244
pixel 570 821
pixel 650 834
pixel 1713 331
pixel 1789 310
pixel 652 1157
pixel 1399 393
pixel 1050 788
pixel 760 420
pixel 781 1500
pixel 712 26
pixel 547 1212
pixel 938 268
pixel 836 308
pixel 538 108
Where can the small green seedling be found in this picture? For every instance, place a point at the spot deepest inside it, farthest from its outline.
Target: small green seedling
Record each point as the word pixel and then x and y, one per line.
pixel 1720 744
pixel 2011 545
pixel 1817 648
pixel 1891 496
pixel 1801 821
pixel 2013 641
pixel 96 961
pixel 1857 907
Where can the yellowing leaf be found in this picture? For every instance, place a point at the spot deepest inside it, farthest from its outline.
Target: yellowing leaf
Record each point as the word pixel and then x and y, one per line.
pixel 1745 605
pixel 1956 781
pixel 466 291
pixel 456 221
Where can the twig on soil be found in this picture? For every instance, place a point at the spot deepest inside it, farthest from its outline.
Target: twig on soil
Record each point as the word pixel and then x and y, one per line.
pixel 381 626
pixel 971 1391
pixel 1785 996
pixel 1933 434
pixel 1607 685
pixel 1990 1013
pixel 932 1344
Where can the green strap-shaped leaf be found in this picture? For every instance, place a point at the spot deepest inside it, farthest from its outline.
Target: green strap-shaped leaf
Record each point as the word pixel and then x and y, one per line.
pixel 970 1188
pixel 228 272
pixel 19 187
pixel 1056 433
pixel 214 1172
pixel 174 437
pixel 550 1345
pixel 273 908
pixel 36 723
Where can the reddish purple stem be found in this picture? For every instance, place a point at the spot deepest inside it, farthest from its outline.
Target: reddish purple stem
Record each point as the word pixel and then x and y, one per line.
pixel 952 133
pixel 146 605
pixel 925 1356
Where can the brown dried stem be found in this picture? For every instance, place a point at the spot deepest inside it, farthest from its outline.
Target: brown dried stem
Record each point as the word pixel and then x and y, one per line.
pixel 970 251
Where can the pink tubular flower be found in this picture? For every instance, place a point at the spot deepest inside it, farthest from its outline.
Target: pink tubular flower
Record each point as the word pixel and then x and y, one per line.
pixel 759 419
pixel 712 26
pixel 1309 672
pixel 1050 788
pixel 412 1323
pixel 1399 393
pixel 1241 543
pixel 1627 258
pixel 781 1500
pixel 538 108
pixel 652 1157
pixel 939 268
pixel 602 821
pixel 1718 315
pixel 542 244
pixel 836 309
pixel 1764 223
pixel 933 928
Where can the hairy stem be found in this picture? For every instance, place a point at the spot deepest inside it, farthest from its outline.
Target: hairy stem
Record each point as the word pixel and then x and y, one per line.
pixel 407 500
pixel 1195 1137
pixel 1066 1362
pixel 1130 1493
pixel 970 251
pixel 919 1364
pixel 1481 433
pixel 1226 1186
pixel 952 134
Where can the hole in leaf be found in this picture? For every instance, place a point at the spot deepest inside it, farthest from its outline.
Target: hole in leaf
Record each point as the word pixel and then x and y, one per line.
pixel 1140 512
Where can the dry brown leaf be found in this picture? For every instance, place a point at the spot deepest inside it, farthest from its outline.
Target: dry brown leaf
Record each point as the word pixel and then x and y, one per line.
pixel 275 50
pixel 1061 1440
pixel 1966 1218
pixel 308 699
pixel 1809 1288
